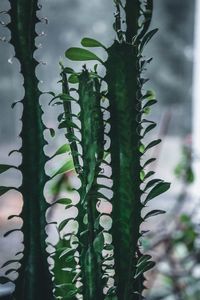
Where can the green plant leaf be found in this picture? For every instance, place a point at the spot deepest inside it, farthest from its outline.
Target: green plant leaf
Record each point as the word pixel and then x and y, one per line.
pixel 52 132
pixel 150 173
pixel 68 70
pixel 64 201
pixel 68 124
pixel 63 224
pixel 149 128
pixel 143 259
pixel 159 189
pixel 143 267
pixel 151 183
pixel 152 144
pixel 147 38
pixel 149 161
pixel 142 148
pixel 88 42
pixel 79 54
pixel 11 231
pixel 67 167
pixel 63 149
pixel 63 97
pixel 147 121
pixel 153 213
pixel 7 263
pixel 73 78
pixel 142 175
pixel 150 103
pixel 10 271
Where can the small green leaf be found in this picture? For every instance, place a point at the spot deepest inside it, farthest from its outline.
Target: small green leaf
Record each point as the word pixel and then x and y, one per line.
pixel 149 128
pixel 11 231
pixel 60 117
pixel 151 183
pixel 68 70
pixel 73 78
pixel 68 124
pixel 79 54
pixel 150 103
pixel 150 173
pixel 10 271
pixel 154 213
pixel 142 148
pixel 52 132
pixel 149 161
pixel 67 167
pixel 152 144
pixel 63 97
pixel 144 267
pixel 67 97
pixel 8 263
pixel 147 121
pixel 147 38
pixel 88 42
pixel 147 110
pixel 63 224
pixel 143 259
pixel 159 189
pixel 66 251
pixel 63 149
pixel 150 95
pixel 64 201
pixel 142 175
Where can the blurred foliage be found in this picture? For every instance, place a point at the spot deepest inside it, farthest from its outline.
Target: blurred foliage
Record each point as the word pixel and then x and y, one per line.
pixel 177 273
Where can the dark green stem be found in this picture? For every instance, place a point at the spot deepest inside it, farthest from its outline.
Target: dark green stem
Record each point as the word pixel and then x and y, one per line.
pixel 122 79
pixel 34 280
pixel 132 11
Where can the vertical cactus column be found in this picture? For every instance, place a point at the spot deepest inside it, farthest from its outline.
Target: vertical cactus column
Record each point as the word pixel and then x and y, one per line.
pixel 87 165
pixel 34 280
pixel 122 76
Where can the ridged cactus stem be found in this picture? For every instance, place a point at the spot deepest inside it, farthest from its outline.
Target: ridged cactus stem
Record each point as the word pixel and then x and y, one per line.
pixel 121 78
pixel 34 280
pixel 92 145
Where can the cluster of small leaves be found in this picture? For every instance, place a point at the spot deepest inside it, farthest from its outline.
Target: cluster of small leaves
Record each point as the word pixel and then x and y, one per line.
pixel 151 187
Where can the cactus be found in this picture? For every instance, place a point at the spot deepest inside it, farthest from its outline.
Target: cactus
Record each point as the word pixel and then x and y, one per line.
pixel 34 281
pixel 128 104
pixel 101 257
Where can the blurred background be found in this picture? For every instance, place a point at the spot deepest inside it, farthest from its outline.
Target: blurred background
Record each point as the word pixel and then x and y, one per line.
pixel 174 238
